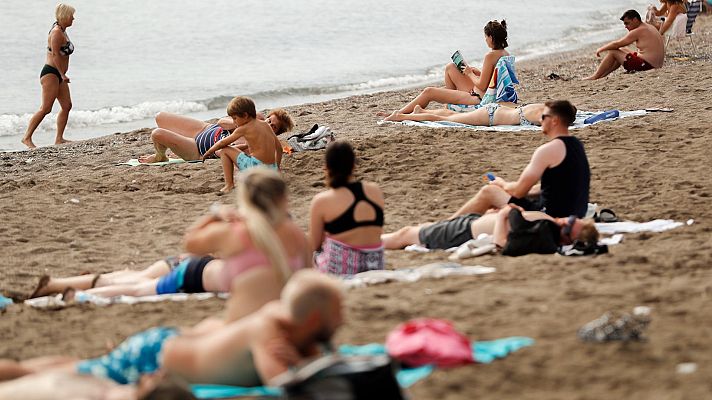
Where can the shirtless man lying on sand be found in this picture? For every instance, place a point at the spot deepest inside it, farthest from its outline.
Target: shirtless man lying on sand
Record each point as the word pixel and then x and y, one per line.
pixel 650 44
pixel 249 352
pixel 489 115
pixel 190 138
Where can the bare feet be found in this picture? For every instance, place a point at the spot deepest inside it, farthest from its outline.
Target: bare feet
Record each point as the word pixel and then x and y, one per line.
pixel 151 158
pixel 227 189
pixel 62 141
pixel 589 78
pixel 382 114
pixel 396 116
pixel 28 142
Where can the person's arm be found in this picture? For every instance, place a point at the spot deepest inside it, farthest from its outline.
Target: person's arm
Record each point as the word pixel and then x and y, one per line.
pixel 630 38
pixel 227 123
pixel 56 41
pixel 543 157
pixel 485 76
pixel 214 237
pixel 501 226
pixel 238 133
pixel 278 151
pixel 316 224
pixel 669 20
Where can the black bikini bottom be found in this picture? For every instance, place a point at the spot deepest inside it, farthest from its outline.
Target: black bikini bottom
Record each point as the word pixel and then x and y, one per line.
pixel 48 69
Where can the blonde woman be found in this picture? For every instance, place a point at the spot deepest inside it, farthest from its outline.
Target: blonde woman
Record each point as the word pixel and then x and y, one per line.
pixel 53 77
pixel 258 244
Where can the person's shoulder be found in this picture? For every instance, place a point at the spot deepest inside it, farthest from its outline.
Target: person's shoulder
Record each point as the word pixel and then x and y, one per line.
pixel 372 186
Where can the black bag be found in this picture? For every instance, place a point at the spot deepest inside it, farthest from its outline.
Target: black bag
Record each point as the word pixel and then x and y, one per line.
pixel 335 377
pixel 526 237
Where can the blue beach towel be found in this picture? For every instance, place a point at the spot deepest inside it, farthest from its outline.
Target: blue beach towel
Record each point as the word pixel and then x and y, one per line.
pixel 4 302
pixel 505 78
pixel 483 352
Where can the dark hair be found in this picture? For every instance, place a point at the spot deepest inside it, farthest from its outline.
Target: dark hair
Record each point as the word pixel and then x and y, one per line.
pixel 562 109
pixel 498 32
pixel 340 162
pixel 631 14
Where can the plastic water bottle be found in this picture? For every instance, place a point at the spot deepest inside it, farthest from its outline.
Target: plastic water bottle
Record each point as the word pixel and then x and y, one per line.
pixel 488 177
pixel 610 114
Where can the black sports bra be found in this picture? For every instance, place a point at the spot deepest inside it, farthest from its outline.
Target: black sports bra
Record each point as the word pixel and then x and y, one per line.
pixel 346 222
pixel 68 47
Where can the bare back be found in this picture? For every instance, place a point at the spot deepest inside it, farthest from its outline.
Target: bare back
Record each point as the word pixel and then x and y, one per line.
pixel 262 141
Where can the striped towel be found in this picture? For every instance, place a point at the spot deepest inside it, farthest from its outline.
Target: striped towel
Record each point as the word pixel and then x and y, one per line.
pixel 501 88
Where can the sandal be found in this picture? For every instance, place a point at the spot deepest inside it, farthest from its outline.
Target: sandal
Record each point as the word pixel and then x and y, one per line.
pixel 44 281
pixel 605 215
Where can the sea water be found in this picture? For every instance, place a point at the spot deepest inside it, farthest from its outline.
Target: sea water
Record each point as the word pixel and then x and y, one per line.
pixel 134 58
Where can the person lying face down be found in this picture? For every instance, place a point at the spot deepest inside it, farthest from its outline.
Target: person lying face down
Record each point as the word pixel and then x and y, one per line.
pixel 456 231
pixel 492 114
pixel 251 351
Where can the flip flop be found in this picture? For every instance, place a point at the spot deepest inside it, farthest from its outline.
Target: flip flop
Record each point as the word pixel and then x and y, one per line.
pixel 44 281
pixel 605 215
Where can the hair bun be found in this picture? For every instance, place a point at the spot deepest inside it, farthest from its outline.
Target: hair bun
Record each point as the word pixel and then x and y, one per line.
pixel 504 24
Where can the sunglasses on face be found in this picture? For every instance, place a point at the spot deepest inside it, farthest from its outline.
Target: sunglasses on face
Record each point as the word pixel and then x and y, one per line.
pixel 545 116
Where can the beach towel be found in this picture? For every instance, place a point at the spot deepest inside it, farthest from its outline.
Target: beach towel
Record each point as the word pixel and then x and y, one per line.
pixel 134 162
pixel 580 117
pixel 693 10
pixel 4 302
pixel 658 225
pixel 55 301
pixel 428 271
pixel 483 352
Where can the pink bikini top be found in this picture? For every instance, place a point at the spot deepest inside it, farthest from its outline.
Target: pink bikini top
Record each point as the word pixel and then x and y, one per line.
pixel 250 258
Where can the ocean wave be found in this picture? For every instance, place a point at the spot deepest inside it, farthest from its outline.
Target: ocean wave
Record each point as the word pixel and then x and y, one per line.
pixel 15 124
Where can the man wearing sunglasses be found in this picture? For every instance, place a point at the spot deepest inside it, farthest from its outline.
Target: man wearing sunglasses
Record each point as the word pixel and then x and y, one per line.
pixel 560 165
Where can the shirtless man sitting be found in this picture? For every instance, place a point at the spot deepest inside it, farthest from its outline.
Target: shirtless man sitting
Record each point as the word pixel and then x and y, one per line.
pixel 650 44
pixel 560 164
pixel 251 351
pixel 189 138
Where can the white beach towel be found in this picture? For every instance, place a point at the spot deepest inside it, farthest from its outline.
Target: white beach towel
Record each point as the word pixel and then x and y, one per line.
pixel 658 225
pixel 580 117
pixel 55 302
pixel 428 271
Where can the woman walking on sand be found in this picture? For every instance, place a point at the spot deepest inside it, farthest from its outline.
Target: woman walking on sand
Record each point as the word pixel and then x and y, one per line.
pixel 53 78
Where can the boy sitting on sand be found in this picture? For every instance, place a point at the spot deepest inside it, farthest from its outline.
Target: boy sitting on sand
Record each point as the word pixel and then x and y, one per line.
pixel 265 148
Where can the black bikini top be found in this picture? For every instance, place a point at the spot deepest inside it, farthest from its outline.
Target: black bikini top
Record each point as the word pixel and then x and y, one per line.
pixel 346 222
pixel 68 47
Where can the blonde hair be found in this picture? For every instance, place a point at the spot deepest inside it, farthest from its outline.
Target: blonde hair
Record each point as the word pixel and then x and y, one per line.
pixel 63 12
pixel 588 233
pixel 240 105
pixel 308 291
pixel 258 192
pixel 286 123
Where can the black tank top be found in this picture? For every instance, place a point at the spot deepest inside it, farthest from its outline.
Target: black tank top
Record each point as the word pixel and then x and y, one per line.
pixel 564 188
pixel 346 222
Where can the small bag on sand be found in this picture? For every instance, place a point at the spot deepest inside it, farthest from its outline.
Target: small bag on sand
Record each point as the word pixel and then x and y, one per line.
pixel 426 341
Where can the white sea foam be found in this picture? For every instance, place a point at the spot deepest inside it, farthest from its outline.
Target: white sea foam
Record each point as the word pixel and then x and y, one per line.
pixel 13 125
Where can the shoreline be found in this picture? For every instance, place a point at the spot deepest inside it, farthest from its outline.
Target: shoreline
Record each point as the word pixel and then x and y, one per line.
pixel 84 135
pixel 644 168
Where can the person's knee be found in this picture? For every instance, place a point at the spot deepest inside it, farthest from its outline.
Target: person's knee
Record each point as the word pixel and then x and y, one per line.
pixel 44 110
pixel 451 68
pixel 428 91
pixel 161 117
pixel 158 134
pixel 490 191
pixel 66 107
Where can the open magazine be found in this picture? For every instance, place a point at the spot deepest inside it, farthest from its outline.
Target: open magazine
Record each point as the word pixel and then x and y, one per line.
pixel 459 61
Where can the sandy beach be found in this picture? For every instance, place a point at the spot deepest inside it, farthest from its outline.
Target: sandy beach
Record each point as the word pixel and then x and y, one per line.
pixel 70 208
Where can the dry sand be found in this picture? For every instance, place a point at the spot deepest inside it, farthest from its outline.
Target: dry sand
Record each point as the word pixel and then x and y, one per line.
pixel 656 166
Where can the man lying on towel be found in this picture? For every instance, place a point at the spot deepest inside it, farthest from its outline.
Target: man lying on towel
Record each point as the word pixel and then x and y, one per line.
pixel 456 231
pixel 560 164
pixel 248 352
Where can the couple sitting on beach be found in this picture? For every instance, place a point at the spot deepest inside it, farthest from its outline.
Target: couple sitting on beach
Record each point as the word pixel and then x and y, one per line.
pixel 192 139
pixel 562 168
pixel 250 349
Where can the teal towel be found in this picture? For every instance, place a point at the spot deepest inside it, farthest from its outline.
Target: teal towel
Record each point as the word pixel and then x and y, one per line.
pixel 134 162
pixel 483 352
pixel 4 302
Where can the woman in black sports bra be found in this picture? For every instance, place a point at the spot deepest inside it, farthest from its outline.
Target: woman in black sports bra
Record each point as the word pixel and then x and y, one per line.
pixel 346 221
pixel 53 77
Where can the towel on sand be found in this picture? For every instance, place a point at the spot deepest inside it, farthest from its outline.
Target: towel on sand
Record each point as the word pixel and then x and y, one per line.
pixel 483 352
pixel 134 162
pixel 658 225
pixel 580 117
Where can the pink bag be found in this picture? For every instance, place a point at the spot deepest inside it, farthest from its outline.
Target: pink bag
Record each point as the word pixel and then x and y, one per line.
pixel 429 341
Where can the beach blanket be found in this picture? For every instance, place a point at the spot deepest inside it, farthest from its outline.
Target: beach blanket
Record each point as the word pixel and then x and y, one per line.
pixel 658 225
pixel 4 302
pixel 429 271
pixel 55 302
pixel 580 117
pixel 483 352
pixel 134 162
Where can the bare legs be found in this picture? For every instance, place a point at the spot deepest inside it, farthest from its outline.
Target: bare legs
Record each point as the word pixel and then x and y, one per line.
pixel 175 132
pixel 65 102
pixel 50 91
pixel 440 95
pixel 611 62
pixel 490 196
pixel 228 158
pixel 402 237
pixel 454 79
